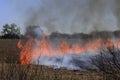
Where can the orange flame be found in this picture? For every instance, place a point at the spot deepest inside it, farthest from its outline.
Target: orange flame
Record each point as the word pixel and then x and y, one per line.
pixel 37 48
pixel 93 45
pixel 19 45
pixel 25 55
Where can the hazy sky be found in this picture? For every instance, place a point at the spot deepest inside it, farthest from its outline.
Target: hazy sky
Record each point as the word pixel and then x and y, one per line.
pixel 68 16
pixel 13 11
pixel 8 13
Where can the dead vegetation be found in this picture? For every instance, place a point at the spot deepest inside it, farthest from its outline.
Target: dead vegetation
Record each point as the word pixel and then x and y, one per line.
pixel 32 72
pixel 108 61
pixel 10 69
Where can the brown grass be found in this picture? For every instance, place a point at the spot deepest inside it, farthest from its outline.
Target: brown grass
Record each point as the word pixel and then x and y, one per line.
pixel 9 53
pixel 32 72
pixel 10 69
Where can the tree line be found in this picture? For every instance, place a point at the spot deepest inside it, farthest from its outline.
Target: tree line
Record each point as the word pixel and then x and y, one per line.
pixel 10 31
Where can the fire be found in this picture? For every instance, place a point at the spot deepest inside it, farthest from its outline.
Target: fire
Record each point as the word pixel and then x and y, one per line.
pixel 108 43
pixel 19 45
pixel 26 52
pixel 117 43
pixel 93 45
pixel 77 48
pixel 63 48
pixel 36 48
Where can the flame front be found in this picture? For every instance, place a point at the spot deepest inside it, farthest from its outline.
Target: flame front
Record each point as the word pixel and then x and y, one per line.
pixel 37 48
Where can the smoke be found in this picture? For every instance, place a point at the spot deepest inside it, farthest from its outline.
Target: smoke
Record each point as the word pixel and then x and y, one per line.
pixel 68 61
pixel 71 16
pixel 81 61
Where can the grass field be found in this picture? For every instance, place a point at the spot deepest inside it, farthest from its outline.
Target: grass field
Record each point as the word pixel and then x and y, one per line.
pixel 9 53
pixel 10 69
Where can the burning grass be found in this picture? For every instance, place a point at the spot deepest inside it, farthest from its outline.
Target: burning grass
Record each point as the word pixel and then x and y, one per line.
pixel 41 49
pixel 10 69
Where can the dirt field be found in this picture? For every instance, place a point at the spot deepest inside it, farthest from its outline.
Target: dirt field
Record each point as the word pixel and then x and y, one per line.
pixel 10 69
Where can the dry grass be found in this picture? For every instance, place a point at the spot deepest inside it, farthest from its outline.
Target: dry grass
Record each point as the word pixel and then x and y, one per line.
pixel 10 69
pixel 9 53
pixel 32 72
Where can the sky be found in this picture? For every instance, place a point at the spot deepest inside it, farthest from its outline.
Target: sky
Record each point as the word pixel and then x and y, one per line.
pixel 13 11
pixel 8 13
pixel 65 16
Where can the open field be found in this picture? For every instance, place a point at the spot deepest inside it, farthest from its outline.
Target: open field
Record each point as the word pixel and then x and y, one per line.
pixel 9 53
pixel 10 69
pixel 25 72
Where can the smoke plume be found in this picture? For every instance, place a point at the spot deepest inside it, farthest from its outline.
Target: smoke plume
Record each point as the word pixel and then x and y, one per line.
pixel 71 16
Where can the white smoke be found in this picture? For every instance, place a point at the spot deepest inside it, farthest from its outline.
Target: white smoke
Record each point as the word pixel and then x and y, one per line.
pixel 68 61
pixel 70 16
